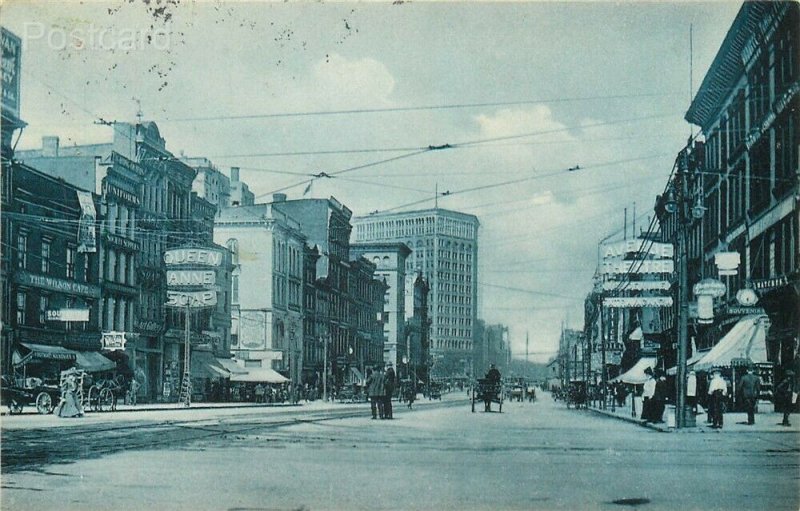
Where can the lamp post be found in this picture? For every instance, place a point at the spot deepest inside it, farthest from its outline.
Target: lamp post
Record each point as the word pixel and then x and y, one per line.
pixel 681 200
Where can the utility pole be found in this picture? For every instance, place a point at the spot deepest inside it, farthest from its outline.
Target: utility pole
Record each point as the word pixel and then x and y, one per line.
pixel 527 366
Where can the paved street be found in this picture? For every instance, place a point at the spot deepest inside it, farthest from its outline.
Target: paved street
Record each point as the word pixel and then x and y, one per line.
pixel 532 456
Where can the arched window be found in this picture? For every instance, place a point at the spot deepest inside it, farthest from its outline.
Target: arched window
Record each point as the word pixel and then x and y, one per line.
pixel 233 246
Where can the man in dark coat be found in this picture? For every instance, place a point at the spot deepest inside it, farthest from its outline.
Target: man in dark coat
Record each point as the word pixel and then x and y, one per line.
pixel 389 384
pixel 785 396
pixel 375 389
pixel 493 375
pixel 659 399
pixel 749 389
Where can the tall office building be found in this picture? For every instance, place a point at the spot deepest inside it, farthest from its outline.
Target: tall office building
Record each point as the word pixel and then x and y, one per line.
pixel 444 248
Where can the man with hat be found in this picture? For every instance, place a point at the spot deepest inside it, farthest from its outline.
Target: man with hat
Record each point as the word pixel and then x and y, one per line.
pixel 375 390
pixel 389 381
pixel 717 390
pixel 749 389
pixel 784 395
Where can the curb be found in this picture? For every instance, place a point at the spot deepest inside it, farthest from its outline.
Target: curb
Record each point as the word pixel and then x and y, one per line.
pixel 632 420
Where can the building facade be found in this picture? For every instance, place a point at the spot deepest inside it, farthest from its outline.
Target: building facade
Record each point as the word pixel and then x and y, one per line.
pixel 746 171
pixel 267 286
pixel 444 248
pixel 390 263
pixel 240 194
pixel 148 208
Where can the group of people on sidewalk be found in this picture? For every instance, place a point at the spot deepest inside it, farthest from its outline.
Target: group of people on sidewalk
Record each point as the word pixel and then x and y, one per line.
pixel 380 388
pixel 654 397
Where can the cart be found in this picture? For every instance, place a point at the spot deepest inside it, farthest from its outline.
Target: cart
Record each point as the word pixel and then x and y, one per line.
pixel 22 392
pixel 488 392
pixel 435 391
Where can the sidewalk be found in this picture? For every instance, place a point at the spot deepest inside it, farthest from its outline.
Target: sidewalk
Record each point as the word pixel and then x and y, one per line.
pixel 175 411
pixel 736 422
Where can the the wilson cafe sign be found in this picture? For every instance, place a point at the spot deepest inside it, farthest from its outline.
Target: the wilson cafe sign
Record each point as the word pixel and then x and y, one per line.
pixel 191 276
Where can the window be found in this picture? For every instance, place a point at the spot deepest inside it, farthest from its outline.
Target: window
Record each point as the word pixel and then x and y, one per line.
pixel 71 254
pixel 22 250
pixel 42 309
pixel 46 255
pixel 21 308
pixel 235 288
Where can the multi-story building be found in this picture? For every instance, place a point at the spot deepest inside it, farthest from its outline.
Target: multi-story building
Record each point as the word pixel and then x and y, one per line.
pixel 444 248
pixel 572 351
pixel 209 183
pixel 494 348
pixel 390 263
pixel 240 194
pixel 268 253
pixel 417 330
pixel 746 173
pixel 147 202
pixel 51 276
pixel 342 321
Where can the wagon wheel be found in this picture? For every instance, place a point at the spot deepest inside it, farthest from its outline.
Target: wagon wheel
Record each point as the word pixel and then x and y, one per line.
pixel 15 406
pixel 93 399
pixel 44 403
pixel 105 400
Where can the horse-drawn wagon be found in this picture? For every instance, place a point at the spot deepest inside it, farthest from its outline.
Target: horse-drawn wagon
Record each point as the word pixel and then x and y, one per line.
pixel 488 391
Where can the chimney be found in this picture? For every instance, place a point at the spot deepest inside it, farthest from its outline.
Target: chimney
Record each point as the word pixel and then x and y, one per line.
pixel 50 147
pixel 278 197
pixel 234 174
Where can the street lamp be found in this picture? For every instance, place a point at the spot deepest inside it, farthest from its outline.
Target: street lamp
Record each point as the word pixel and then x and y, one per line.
pixel 681 200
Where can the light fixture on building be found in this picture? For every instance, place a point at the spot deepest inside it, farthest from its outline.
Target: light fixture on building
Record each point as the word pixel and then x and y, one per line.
pixel 705 291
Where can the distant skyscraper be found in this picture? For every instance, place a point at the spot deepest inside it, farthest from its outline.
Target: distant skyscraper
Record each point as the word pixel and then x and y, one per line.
pixel 444 248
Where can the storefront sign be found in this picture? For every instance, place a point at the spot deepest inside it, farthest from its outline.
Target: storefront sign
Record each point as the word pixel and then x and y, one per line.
pixel 87 238
pixel 183 278
pixel 81 315
pixel 198 256
pixel 54 284
pixel 638 301
pixel 121 241
pixel 191 299
pixel 121 194
pixel 113 341
pixel 252 330
pixel 641 247
pixel 148 327
pixel 646 266
pixel 12 54
pixel 640 285
pixel 769 284
pixel 744 311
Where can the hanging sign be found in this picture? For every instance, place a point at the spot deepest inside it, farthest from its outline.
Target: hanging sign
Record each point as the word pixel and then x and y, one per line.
pixel 81 315
pixel 112 341
pixel 193 256
pixel 638 301
pixel 87 239
pixel 191 299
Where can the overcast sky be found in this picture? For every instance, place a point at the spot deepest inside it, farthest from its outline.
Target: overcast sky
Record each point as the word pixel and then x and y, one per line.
pixel 535 88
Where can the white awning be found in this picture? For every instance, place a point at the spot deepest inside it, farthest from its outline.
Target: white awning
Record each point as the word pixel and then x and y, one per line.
pixel 260 375
pixel 672 371
pixel 747 339
pixel 231 366
pixel 636 374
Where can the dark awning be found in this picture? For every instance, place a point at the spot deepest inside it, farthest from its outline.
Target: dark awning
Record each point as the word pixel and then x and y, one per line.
pixel 205 365
pixel 89 361
pixel 94 362
pixel 42 352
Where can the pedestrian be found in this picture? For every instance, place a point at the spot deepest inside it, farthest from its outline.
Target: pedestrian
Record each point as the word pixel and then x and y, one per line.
pixel 717 391
pixel 375 389
pixel 785 397
pixel 691 391
pixel 749 389
pixel 70 405
pixel 659 398
pixel 648 392
pixel 389 383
